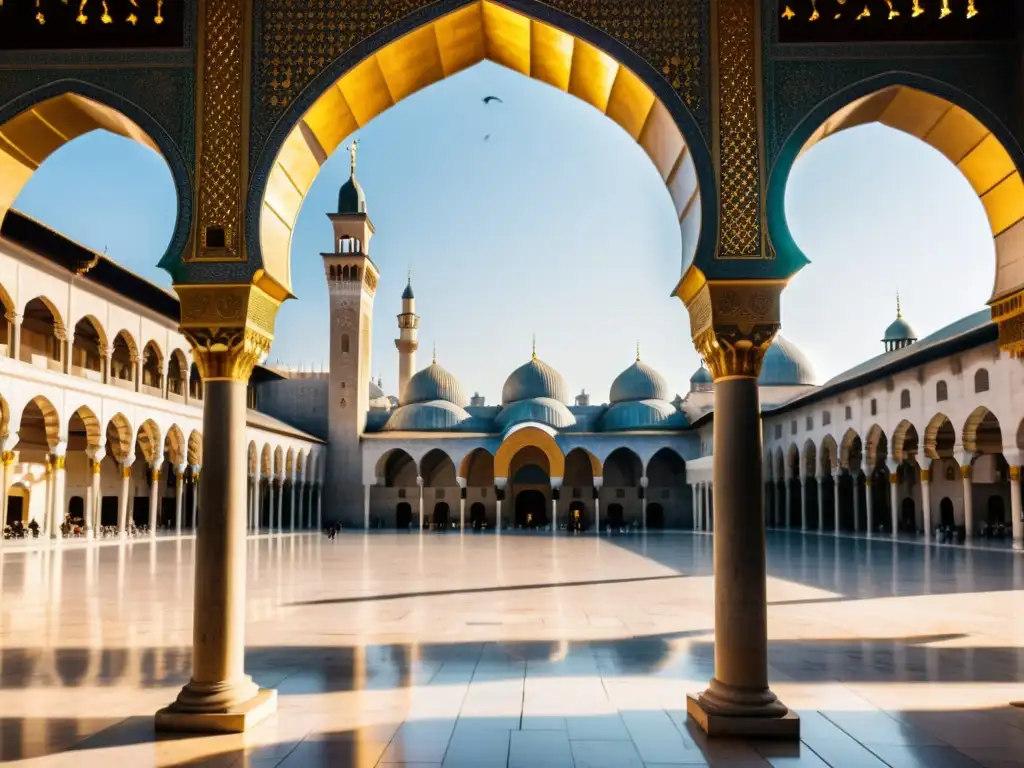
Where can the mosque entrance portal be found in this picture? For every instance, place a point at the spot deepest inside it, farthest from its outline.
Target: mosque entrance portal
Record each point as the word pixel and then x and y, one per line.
pixel 403 516
pixel 477 516
pixel 531 509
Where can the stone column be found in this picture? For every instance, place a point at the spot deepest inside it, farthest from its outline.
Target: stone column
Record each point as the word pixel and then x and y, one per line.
pixel 780 502
pixel 196 471
pixel 643 502
pixel 291 505
pixel 926 499
pixel 6 460
pixel 319 505
pixel 179 496
pixel 154 493
pixel 837 473
pixel 48 495
pixel 220 697
pixel 856 499
pixel 500 483
pixel 598 482
pixel 91 492
pixel 820 477
pixel 257 499
pixel 366 506
pixel 869 506
pixel 419 486
pixel 787 519
pixel 695 505
pixel 122 497
pixel 894 488
pixel 96 510
pixel 14 332
pixel 965 473
pixel 58 502
pixel 1015 512
pixel 738 701
pixel 803 502
pixel 462 503
pixel 556 488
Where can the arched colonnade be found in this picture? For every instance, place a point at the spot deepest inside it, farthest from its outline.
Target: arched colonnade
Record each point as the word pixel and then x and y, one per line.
pixel 960 478
pixel 529 480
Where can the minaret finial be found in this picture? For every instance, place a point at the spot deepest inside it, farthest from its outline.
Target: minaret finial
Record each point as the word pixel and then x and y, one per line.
pixel 433 360
pixel 638 350
pixel 409 276
pixel 352 147
pixel 534 357
pixel 899 313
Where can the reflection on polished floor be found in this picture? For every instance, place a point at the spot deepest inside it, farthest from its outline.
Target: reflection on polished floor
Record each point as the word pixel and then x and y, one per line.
pixel 399 649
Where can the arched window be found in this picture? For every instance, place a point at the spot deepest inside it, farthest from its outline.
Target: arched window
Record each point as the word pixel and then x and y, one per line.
pixel 941 391
pixel 981 380
pixel 905 398
pixel 344 343
pixel 849 413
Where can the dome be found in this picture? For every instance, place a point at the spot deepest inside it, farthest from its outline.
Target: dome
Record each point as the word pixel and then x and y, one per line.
pixel 639 382
pixel 433 416
pixel 407 293
pixel 434 383
pixel 543 410
pixel 900 330
pixel 642 414
pixel 701 378
pixel 785 365
pixel 351 198
pixel 536 379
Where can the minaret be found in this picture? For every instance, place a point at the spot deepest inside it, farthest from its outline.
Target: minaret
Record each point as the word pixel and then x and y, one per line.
pixel 408 325
pixel 351 282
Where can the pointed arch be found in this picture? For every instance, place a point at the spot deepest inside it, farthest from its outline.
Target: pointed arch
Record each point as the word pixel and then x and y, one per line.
pixel 47 304
pixel 278 461
pixel 437 468
pixel 592 460
pixel 253 459
pixel 5 417
pixel 876 440
pixel 89 344
pixel 982 432
pixel 195 448
pixel 266 461
pixel 396 468
pixel 300 463
pixel 93 429
pixel 904 440
pixel 810 459
pixel 40 418
pixel 622 468
pixel 529 436
pixel 149 440
pixel 152 365
pixel 792 461
pixel 289 462
pixel 829 453
pixel 174 445
pixel 120 442
pixel 849 447
pixel 440 41
pixel 477 467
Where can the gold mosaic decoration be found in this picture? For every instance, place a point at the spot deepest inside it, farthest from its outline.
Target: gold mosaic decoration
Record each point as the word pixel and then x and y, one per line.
pixel 739 148
pixel 222 161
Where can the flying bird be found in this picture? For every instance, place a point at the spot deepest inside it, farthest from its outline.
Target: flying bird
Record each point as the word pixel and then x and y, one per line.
pixel 487 136
pixel 489 99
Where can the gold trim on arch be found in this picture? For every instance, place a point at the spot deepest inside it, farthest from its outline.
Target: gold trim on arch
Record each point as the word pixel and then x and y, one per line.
pixel 439 49
pixel 595 464
pixel 954 132
pixel 522 438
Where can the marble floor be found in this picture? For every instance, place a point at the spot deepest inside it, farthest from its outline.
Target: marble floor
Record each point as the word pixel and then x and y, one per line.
pixel 519 650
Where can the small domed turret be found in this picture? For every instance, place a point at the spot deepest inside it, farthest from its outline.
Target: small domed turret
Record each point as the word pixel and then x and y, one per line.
pixel 351 198
pixel 900 333
pixel 701 381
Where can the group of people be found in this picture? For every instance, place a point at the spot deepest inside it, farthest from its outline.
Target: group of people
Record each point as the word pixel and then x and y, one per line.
pixel 332 530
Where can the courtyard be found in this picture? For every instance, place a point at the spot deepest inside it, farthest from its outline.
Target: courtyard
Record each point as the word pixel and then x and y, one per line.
pixel 519 650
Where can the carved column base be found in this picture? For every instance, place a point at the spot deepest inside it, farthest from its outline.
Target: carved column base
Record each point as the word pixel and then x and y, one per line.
pixel 220 708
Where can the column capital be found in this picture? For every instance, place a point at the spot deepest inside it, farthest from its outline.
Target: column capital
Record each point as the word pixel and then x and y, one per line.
pixel 926 476
pixel 821 477
pixel 1015 473
pixel 894 478
pixel 732 322
pixel 867 481
pixel 556 483
pixel 1013 456
pixel 419 481
pixel 462 482
pixel 96 452
pixel 127 461
pixel 599 482
pixel 644 482
pixel 157 462
pixel 965 471
pixel 60 448
pixel 13 317
pixel 179 470
pixel 500 483
pixel 230 328
pixel 6 440
pixel 892 465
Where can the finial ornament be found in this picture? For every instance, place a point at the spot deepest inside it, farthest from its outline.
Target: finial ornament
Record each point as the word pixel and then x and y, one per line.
pixel 352 147
pixel 899 313
pixel 638 350
pixel 534 347
pixel 409 276
pixel 433 360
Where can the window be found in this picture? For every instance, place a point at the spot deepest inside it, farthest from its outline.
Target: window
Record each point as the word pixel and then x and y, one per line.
pixel 778 431
pixel 810 423
pixel 941 391
pixel 344 343
pixel 981 380
pixel 874 407
pixel 401 493
pixel 905 398
pixel 849 413
pixel 483 493
pixel 792 427
pixel 826 418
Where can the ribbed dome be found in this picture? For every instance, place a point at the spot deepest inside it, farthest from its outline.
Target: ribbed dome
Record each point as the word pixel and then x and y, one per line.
pixel 543 410
pixel 639 382
pixel 701 376
pixel 434 383
pixel 642 414
pixel 351 198
pixel 785 365
pixel 535 379
pixel 434 416
pixel 900 330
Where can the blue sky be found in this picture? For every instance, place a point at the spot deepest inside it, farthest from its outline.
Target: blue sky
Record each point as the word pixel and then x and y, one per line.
pixel 558 225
